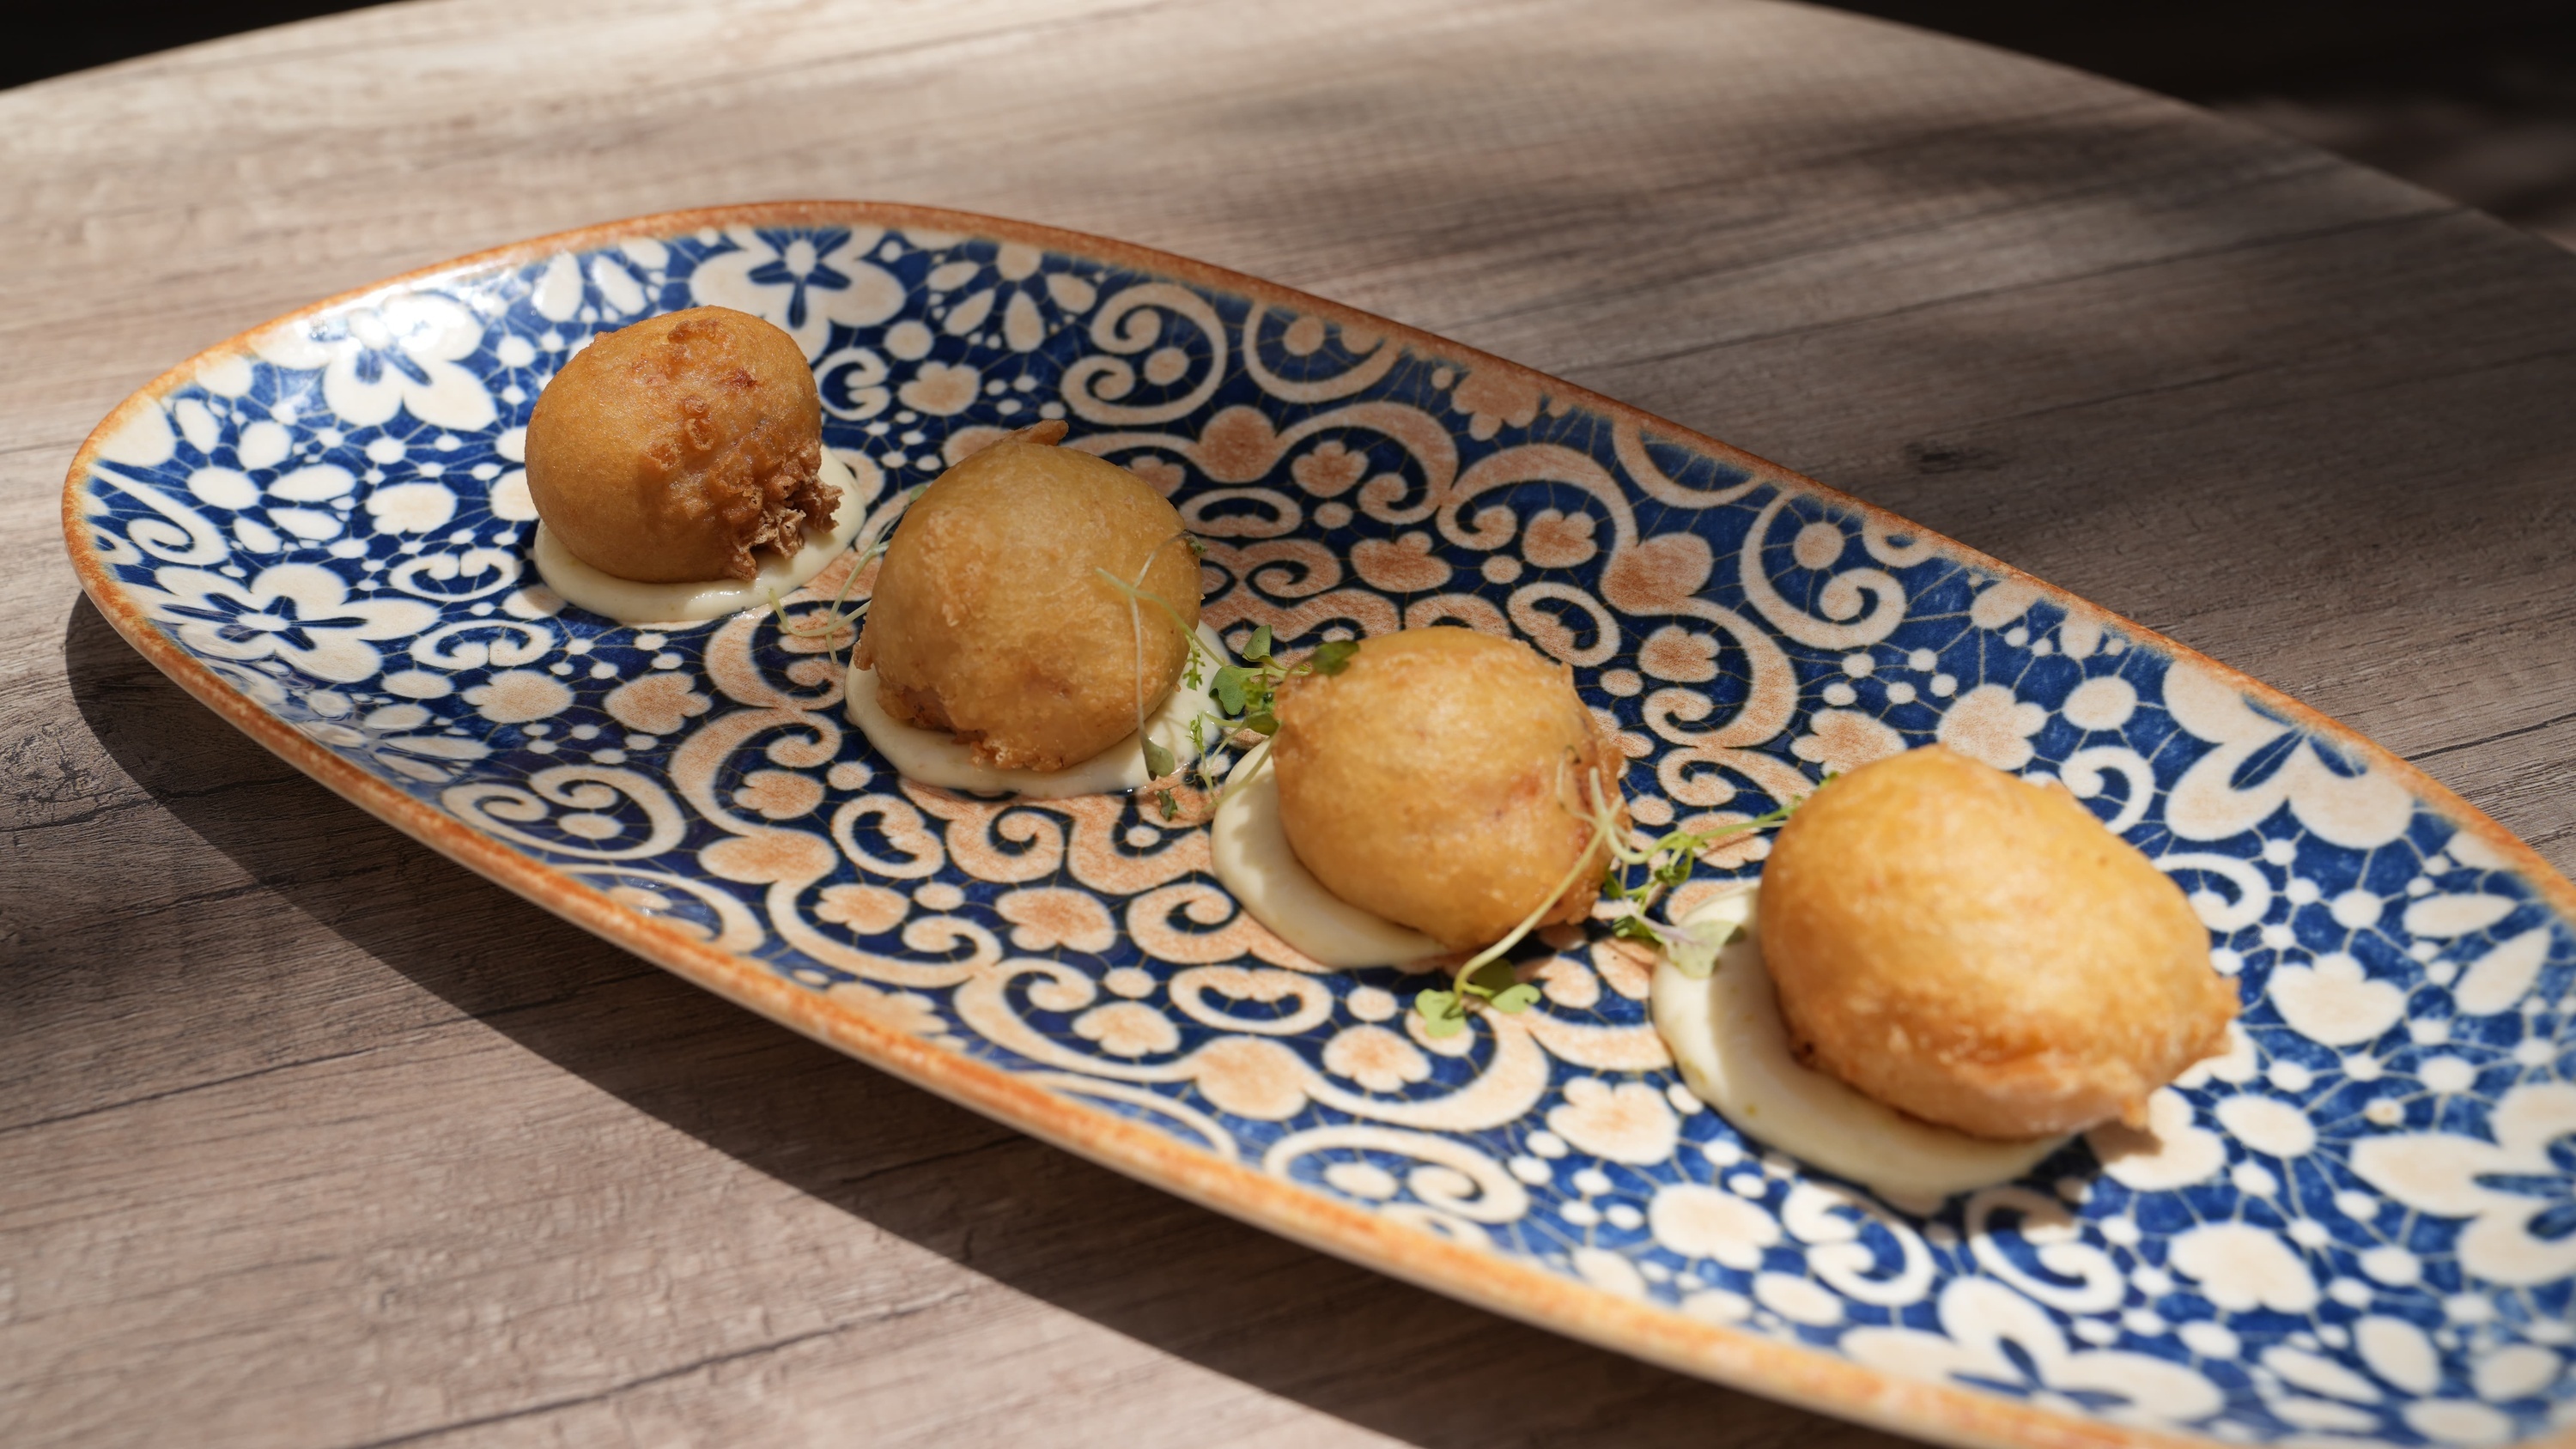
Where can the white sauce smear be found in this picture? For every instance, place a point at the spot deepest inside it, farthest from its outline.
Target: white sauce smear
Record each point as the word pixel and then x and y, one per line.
pixel 934 757
pixel 1726 1036
pixel 1255 862
pixel 630 602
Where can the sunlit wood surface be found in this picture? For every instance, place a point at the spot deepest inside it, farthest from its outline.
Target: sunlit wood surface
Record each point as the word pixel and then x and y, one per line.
pixel 309 1138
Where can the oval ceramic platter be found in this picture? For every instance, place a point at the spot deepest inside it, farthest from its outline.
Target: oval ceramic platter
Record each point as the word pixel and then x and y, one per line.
pixel 2357 1226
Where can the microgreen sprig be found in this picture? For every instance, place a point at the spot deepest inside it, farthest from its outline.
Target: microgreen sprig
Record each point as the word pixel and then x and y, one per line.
pixel 1667 862
pixel 1488 982
pixel 1247 698
pixel 1486 979
pixel 1158 760
pixel 1245 694
pixel 1493 985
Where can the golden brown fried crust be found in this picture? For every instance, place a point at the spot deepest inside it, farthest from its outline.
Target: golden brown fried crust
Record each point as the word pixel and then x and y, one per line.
pixel 990 621
pixel 1430 782
pixel 673 450
pixel 1981 952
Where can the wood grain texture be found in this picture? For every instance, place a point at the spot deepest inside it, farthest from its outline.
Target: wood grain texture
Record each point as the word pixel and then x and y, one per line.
pixel 309 1138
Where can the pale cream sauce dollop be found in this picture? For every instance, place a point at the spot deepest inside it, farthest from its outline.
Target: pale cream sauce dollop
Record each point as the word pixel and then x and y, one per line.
pixel 1726 1036
pixel 934 757
pixel 630 602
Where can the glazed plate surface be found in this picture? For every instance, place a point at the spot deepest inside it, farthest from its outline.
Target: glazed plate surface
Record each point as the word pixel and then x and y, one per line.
pixel 2359 1226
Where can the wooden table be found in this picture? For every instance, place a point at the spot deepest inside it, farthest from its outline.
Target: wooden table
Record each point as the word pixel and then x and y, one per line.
pixel 309 1138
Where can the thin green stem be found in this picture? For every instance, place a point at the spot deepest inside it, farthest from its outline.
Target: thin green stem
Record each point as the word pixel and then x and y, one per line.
pixel 1604 826
pixel 1137 594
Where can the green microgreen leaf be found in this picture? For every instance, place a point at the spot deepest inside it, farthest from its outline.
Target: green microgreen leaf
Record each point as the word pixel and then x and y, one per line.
pixel 1514 1000
pixel 1693 950
pixel 1667 863
pixel 1635 928
pixel 1489 979
pixel 1693 958
pixel 1230 688
pixel 1258 646
pixel 1333 656
pixel 1443 1014
pixel 1264 723
pixel 1171 807
pixel 1158 760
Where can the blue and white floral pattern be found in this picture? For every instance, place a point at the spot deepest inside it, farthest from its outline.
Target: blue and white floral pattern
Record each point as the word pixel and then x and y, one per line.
pixel 2359 1225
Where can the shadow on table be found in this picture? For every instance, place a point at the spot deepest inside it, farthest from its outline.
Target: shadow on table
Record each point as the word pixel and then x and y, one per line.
pixel 1290 1322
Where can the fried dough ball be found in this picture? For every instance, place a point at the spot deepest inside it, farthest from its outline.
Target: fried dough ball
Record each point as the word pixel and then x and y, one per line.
pixel 1982 952
pixel 671 450
pixel 990 619
pixel 1434 782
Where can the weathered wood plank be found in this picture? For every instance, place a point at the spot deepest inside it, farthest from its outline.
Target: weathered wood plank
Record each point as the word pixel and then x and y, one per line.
pixel 307 1137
